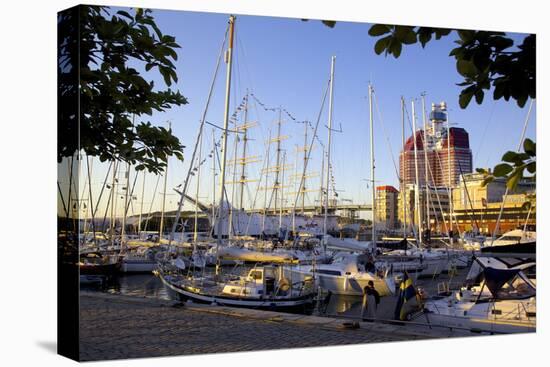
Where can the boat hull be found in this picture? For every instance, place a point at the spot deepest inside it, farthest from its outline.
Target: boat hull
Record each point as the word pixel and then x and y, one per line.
pixel 302 304
pixel 347 285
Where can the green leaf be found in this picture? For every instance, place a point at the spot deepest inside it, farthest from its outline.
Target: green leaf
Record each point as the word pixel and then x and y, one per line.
pixel 379 29
pixel 531 167
pixel 479 96
pixel 381 45
pixel 514 179
pixel 510 156
pixel 529 147
pixel 125 14
pixel 466 68
pixel 464 99
pixel 329 23
pixel 395 48
pixel 502 169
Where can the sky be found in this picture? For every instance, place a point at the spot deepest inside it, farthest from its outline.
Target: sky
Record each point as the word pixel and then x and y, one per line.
pixel 286 62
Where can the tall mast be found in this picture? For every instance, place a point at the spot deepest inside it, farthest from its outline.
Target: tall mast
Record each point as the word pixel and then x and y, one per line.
pixel 371 122
pixel 304 171
pixel 330 109
pixel 243 157
pixel 403 186
pixel 197 192
pixel 449 173
pixel 123 230
pixel 321 188
pixel 426 167
pixel 113 200
pixel 141 204
pixel 416 191
pixel 266 181
pixel 282 196
pixel 161 226
pixel 277 184
pixel 230 231
pixel 213 177
pixel 229 59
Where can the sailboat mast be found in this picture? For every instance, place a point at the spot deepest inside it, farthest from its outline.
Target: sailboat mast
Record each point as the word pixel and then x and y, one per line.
pixel 266 181
pixel 213 176
pixel 282 196
pixel 225 126
pixel 403 186
pixel 243 157
pixel 161 226
pixel 449 176
pixel 230 207
pixel 113 201
pixel 330 109
pixel 372 168
pixel 141 204
pixel 426 167
pixel 277 184
pixel 123 230
pixel 416 191
pixel 197 192
pixel 304 171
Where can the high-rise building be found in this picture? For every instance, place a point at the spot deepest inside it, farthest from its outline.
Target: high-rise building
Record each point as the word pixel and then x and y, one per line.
pixel 446 150
pixel 386 207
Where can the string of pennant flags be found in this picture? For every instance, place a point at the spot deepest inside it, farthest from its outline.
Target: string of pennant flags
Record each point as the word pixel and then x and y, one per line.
pixel 233 119
pixel 273 109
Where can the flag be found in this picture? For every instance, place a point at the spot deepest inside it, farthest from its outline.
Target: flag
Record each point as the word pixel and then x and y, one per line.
pixel 407 294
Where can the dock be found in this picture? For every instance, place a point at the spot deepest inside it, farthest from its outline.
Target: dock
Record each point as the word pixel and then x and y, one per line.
pixel 114 326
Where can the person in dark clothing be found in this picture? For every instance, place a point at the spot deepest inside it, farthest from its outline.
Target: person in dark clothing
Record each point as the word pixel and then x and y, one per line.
pixel 371 299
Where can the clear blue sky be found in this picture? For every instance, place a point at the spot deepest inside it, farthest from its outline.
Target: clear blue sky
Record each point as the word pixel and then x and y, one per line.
pixel 287 62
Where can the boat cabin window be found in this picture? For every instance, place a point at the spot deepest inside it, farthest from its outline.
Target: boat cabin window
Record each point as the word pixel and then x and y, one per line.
pixel 329 272
pixel 510 238
pixel 256 274
pixel 517 288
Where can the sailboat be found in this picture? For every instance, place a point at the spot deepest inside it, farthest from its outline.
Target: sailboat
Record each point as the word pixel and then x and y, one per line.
pixel 264 287
pixel 501 298
pixel 348 273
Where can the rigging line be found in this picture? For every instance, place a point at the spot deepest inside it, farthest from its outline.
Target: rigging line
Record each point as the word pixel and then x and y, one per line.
pixel 131 193
pixel 472 218
pixel 310 149
pixel 505 196
pixel 226 195
pixel 151 204
pixel 113 185
pixel 486 127
pixel 103 187
pixel 62 200
pixel 90 195
pixel 390 148
pixel 201 128
pixel 264 163
pixel 437 196
pixel 436 191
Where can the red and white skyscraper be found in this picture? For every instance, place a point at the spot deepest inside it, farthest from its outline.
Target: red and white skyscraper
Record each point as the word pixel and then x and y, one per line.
pixel 445 148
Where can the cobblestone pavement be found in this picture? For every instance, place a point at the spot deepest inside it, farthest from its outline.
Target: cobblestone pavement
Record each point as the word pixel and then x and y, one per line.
pixel 114 326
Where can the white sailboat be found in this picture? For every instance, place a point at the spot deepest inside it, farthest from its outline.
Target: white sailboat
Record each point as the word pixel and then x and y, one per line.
pixel 502 301
pixel 265 286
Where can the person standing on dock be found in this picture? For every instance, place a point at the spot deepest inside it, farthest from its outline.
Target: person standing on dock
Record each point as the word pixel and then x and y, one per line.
pixel 371 299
